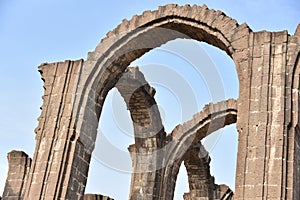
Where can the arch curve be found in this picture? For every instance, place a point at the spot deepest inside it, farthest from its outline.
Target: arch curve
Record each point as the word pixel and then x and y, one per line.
pixel 267 66
pixel 173 149
pixel 183 137
pixel 131 39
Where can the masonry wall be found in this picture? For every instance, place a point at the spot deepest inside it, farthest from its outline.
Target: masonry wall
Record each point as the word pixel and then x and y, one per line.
pixel 61 160
pixel 296 164
pixel 268 106
pixel 18 168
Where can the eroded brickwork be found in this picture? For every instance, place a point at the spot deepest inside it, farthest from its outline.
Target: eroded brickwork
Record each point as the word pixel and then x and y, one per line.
pixel 201 183
pixel 148 131
pixel 152 151
pixel 18 168
pixel 96 197
pixel 59 151
pixel 184 136
pixel 266 112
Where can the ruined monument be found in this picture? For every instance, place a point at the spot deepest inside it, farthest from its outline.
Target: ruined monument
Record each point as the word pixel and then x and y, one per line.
pixel 266 114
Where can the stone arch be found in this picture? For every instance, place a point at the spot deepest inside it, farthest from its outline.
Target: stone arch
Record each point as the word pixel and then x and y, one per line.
pixel 137 93
pixel 139 98
pixel 75 92
pixel 131 39
pixel 294 66
pixel 185 136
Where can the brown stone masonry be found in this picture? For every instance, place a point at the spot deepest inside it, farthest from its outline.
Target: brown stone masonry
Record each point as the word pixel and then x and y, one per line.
pixel 19 164
pixel 96 197
pixel 266 112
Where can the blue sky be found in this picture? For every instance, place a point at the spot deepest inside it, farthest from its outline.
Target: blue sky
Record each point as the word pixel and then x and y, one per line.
pixel 33 32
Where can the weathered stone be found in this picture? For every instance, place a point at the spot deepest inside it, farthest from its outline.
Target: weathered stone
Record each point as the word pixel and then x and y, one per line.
pixel 18 168
pixel 96 197
pixel 266 113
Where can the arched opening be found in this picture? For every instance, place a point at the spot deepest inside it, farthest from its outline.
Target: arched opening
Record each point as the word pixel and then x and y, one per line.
pixel 125 44
pixel 110 163
pixel 166 94
pixel 192 95
pixel 102 70
pixel 182 183
pixel 143 113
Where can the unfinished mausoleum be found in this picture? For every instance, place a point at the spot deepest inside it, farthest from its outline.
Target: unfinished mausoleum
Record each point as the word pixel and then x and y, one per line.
pixel 266 114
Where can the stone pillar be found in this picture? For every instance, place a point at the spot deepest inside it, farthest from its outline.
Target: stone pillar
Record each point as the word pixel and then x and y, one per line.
pixel 60 163
pixel 147 152
pixel 146 174
pixel 19 164
pixel 201 183
pixel 262 120
pixel 96 197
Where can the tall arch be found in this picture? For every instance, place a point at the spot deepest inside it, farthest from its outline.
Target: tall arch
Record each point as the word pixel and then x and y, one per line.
pixel 133 38
pixel 75 92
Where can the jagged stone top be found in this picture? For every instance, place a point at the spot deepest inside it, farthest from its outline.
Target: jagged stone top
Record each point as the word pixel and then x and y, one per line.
pixel 16 153
pixel 133 76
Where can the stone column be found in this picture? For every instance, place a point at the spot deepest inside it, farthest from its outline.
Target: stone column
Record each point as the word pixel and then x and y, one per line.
pixel 201 183
pixel 60 163
pixel 19 164
pixel 262 121
pixel 147 152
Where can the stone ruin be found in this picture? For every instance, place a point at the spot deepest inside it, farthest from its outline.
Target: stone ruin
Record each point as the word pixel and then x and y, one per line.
pixel 266 114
